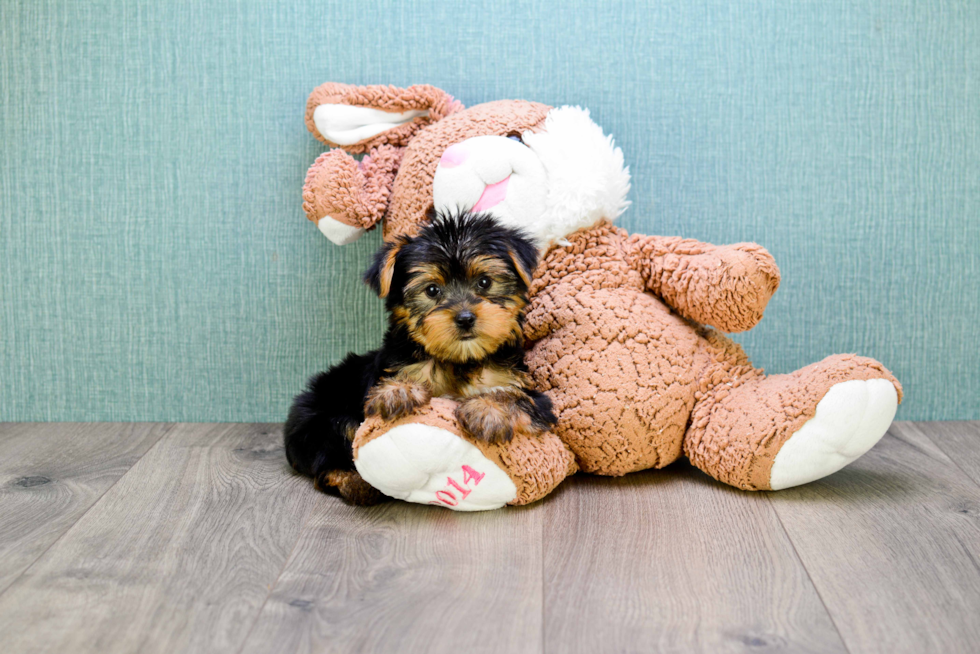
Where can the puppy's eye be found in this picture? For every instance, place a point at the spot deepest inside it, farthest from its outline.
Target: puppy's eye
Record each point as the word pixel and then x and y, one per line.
pixel 484 282
pixel 432 290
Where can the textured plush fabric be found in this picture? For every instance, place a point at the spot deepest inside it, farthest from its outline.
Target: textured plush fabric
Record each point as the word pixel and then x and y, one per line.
pixel 738 427
pixel 734 282
pixel 360 195
pixel 535 465
pixel 354 193
pixel 635 385
pixel 387 98
pixel 617 329
pixel 155 262
pixel 412 193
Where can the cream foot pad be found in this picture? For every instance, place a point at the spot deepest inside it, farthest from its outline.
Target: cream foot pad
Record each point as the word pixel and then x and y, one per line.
pixel 850 419
pixel 428 465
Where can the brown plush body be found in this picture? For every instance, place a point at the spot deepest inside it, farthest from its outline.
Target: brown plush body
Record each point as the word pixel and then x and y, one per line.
pixel 654 385
pixel 624 332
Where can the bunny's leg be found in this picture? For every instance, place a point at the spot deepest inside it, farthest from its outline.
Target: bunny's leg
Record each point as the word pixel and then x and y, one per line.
pixel 426 459
pixel 769 433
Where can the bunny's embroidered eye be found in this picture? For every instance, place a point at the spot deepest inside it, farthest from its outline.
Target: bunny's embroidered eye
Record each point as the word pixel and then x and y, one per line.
pixel 517 136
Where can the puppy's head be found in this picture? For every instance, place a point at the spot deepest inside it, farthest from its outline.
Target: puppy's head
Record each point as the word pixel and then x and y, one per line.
pixel 459 287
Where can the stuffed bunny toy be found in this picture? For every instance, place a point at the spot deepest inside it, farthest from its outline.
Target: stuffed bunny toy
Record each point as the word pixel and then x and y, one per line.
pixel 624 332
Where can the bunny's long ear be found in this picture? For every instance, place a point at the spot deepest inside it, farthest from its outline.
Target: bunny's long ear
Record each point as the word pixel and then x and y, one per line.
pixel 360 118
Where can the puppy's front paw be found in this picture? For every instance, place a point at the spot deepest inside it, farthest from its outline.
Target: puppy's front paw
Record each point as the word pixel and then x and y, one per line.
pixel 393 399
pixel 493 419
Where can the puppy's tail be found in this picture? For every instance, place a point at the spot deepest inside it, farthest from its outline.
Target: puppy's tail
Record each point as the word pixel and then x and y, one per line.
pixel 313 444
pixel 321 425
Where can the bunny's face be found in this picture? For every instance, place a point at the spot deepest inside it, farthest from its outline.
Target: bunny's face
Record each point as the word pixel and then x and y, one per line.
pixel 499 175
pixel 547 171
pixel 434 148
pixel 551 181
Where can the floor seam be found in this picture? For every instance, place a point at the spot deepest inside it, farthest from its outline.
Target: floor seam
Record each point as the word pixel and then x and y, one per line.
pixel 544 613
pixel 169 428
pixel 813 583
pixel 949 456
pixel 275 583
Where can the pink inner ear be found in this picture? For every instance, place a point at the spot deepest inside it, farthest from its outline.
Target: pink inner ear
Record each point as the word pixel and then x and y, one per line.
pixel 492 195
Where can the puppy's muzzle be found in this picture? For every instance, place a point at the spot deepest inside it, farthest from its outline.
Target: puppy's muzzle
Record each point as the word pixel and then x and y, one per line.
pixel 465 320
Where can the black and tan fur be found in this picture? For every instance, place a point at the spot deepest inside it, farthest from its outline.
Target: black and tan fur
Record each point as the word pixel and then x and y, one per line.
pixel 455 296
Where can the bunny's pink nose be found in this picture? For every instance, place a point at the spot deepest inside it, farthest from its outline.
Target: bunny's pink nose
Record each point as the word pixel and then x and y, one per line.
pixel 454 156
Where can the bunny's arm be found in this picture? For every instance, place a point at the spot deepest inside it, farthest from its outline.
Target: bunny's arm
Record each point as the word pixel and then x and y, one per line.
pixel 725 286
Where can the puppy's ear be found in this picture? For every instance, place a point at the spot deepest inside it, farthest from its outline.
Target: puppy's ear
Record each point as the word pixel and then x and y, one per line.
pixel 379 275
pixel 525 258
pixel 360 118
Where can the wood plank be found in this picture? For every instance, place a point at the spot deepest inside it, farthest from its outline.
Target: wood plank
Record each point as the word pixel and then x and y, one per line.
pixel 673 561
pixel 960 441
pixel 408 578
pixel 892 543
pixel 178 556
pixel 51 473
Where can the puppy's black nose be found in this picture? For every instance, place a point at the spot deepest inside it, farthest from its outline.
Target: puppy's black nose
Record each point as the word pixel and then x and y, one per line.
pixel 465 319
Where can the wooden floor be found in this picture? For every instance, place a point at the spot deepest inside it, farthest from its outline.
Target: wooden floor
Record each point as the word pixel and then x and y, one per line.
pixel 198 538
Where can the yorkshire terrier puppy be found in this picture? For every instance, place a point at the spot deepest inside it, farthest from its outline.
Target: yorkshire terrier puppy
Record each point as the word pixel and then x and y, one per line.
pixel 455 296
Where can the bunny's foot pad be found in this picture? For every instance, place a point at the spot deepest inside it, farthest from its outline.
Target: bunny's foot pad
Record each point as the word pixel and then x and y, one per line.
pixel 429 465
pixel 849 420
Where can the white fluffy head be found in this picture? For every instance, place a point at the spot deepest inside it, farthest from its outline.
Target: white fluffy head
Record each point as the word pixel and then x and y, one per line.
pixel 559 180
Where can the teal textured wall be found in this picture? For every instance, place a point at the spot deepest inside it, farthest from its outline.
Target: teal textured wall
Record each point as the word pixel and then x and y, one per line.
pixel 155 263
